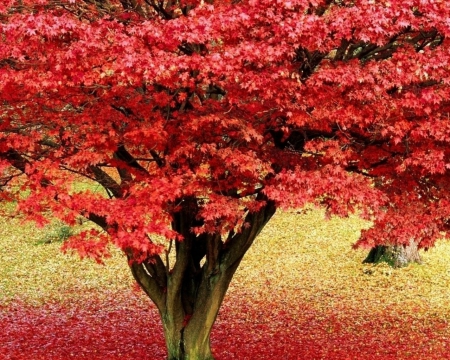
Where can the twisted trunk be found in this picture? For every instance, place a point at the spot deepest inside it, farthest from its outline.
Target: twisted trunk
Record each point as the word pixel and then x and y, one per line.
pixel 189 294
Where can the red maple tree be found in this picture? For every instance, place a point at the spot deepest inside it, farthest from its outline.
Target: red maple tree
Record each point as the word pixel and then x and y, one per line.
pixel 200 118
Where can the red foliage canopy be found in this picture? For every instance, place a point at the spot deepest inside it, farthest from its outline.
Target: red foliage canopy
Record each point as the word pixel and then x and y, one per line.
pixel 231 103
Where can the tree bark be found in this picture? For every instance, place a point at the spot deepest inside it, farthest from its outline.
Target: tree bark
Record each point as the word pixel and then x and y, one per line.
pixel 395 255
pixel 189 338
pixel 189 294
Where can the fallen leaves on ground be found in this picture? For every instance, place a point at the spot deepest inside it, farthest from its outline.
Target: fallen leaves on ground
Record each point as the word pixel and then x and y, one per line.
pixel 300 293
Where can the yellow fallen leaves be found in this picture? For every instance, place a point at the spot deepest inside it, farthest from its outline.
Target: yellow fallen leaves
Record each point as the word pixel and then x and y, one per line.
pixel 40 273
pixel 298 259
pixel 301 258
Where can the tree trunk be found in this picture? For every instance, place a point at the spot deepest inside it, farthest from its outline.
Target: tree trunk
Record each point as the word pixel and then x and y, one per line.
pixel 185 342
pixel 395 255
pixel 189 293
pixel 187 327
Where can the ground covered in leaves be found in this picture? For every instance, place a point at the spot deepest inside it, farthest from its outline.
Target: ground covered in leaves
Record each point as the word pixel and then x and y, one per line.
pixel 301 293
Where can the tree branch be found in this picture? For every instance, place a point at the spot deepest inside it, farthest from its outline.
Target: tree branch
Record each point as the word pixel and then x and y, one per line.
pixel 148 284
pixel 213 249
pixel 106 181
pixel 155 266
pixel 159 160
pixel 122 154
pixel 237 244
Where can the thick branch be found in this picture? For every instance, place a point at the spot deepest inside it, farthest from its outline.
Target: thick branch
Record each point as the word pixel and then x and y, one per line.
pixel 133 5
pixel 214 247
pixel 340 52
pixel 183 222
pixel 175 281
pixel 159 160
pixel 155 266
pixel 159 9
pixel 98 220
pixel 237 244
pixel 148 284
pixel 106 181
pixel 122 154
pixel 19 162
pixel 15 159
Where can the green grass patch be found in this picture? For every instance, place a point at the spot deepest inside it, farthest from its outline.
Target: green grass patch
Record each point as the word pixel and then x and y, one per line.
pixel 56 233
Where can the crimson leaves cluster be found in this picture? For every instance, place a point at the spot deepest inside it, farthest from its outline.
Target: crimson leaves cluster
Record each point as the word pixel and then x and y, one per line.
pixel 220 109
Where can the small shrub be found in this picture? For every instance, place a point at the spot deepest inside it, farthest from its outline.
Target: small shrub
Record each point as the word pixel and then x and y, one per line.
pixel 57 233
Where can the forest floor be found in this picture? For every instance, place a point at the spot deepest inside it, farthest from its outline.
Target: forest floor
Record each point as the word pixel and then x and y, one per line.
pixel 300 293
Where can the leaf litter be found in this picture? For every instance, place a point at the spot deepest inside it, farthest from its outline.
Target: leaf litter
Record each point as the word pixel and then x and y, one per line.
pixel 301 293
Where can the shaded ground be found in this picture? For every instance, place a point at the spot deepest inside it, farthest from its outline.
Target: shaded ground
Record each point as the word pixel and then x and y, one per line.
pixel 301 293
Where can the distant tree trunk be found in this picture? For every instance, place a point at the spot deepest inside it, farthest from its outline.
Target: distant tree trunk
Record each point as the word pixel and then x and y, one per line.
pixel 189 293
pixel 395 255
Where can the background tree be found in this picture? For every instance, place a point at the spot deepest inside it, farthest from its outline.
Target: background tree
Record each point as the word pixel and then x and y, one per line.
pixel 200 119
